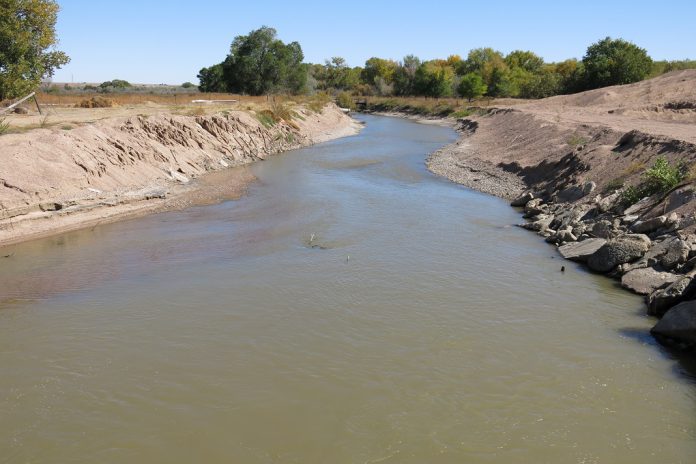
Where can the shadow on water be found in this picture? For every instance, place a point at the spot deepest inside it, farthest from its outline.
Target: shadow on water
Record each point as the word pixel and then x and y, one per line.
pixel 685 365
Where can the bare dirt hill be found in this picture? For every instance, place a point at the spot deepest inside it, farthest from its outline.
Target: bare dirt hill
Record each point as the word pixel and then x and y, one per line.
pixel 608 136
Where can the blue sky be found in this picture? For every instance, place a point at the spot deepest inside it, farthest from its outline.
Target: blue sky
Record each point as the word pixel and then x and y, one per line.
pixel 169 41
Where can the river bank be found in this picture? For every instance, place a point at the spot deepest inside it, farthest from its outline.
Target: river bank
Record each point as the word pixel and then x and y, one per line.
pixel 57 180
pixel 567 161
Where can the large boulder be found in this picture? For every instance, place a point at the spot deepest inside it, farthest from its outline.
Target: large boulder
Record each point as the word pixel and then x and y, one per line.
pixel 678 326
pixel 523 199
pixel 581 251
pixel 605 229
pixel 677 253
pixel 621 250
pixel 645 281
pixel 649 225
pixel 661 300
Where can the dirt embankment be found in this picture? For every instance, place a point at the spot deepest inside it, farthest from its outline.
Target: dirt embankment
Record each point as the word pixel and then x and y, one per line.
pixel 53 180
pixel 566 160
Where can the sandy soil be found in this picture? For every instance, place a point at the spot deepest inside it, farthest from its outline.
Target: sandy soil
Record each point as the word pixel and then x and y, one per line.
pixel 607 136
pixel 139 161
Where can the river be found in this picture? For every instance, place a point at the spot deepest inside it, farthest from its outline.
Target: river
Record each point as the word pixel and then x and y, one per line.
pixel 352 308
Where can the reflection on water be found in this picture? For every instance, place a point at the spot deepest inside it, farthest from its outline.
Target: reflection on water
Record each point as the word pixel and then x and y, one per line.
pixel 352 308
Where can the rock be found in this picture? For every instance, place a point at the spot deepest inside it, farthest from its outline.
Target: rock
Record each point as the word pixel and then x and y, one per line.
pixel 649 225
pixel 678 326
pixel 523 199
pixel 680 197
pixel 604 229
pixel 677 253
pixel 51 206
pixel 569 217
pixel 639 207
pixel 645 281
pixel 565 236
pixel 618 251
pixel 604 205
pixel 581 251
pixel 533 207
pixel 178 176
pixel 570 194
pixel 661 300
pixel 588 188
pixel 542 223
pixel 652 256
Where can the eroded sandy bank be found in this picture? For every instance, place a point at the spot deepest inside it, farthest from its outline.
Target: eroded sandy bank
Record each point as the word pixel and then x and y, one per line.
pixel 54 180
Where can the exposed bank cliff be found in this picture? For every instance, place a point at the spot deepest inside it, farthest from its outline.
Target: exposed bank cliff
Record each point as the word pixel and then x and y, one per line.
pixel 53 180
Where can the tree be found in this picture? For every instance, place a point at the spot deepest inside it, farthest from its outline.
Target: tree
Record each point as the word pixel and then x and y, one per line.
pixel 27 45
pixel 211 79
pixel 614 62
pixel 405 74
pixel 339 75
pixel 378 68
pixel 260 63
pixel 434 79
pixel 526 60
pixel 472 86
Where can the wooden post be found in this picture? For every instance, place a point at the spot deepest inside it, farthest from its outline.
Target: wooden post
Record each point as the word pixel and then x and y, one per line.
pixel 36 100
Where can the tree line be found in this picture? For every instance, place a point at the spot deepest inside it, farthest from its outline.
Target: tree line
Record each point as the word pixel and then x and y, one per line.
pixel 259 63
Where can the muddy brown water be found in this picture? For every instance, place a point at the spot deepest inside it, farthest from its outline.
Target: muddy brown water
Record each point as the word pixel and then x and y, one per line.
pixel 353 308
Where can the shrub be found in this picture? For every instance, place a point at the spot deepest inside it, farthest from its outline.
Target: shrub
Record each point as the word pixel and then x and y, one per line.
pixel 281 111
pixel 187 85
pixel 266 118
pixel 344 100
pixel 630 195
pixel 662 176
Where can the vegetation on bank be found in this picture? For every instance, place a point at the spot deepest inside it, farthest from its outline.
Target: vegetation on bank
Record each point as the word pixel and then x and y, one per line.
pixel 27 45
pixel 660 178
pixel 259 63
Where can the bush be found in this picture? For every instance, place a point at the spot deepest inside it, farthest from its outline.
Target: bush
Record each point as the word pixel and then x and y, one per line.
pixel 663 176
pixel 660 178
pixel 344 100
pixel 187 85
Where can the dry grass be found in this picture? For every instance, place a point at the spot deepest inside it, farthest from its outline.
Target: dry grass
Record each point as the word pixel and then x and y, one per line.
pixel 96 102
pixel 123 99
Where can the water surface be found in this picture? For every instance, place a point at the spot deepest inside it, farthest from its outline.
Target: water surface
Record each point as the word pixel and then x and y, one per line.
pixel 353 308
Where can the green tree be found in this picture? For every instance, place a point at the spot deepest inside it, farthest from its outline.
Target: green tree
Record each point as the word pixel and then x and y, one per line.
pixel 378 68
pixel 614 62
pixel 27 45
pixel 405 75
pixel 471 86
pixel 260 63
pixel 339 76
pixel 524 59
pixel 434 79
pixel 211 79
